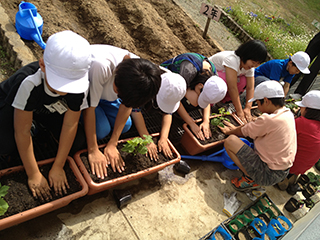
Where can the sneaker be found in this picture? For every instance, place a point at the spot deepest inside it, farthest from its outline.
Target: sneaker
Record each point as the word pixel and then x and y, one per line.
pixel 296 96
pixel 243 183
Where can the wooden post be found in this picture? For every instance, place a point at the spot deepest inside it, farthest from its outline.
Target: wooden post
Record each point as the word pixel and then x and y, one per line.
pixel 206 28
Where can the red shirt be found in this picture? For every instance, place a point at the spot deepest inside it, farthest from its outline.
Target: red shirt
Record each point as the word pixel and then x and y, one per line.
pixel 308 145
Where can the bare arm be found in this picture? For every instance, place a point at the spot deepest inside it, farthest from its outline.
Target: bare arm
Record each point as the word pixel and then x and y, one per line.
pixel 286 88
pixel 111 150
pixel 205 125
pixel 189 120
pixel 97 159
pixel 36 181
pixel 229 129
pixel 57 176
pixel 231 77
pixel 249 95
pixel 140 124
pixel 164 134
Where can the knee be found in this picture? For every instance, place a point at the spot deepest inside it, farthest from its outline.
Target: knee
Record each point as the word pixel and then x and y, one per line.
pixel 229 141
pixel 127 126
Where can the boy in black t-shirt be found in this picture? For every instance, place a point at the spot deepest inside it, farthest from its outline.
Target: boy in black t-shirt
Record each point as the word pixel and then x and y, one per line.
pixel 52 91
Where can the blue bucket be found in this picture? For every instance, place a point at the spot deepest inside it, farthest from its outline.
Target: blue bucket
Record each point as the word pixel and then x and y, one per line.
pixel 29 23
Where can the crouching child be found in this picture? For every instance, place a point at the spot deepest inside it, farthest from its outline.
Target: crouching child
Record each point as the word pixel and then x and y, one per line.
pixel 274 137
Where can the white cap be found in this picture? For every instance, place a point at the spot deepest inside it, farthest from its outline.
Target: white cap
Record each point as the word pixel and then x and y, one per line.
pixel 310 100
pixel 302 61
pixel 268 89
pixel 173 88
pixel 67 60
pixel 214 90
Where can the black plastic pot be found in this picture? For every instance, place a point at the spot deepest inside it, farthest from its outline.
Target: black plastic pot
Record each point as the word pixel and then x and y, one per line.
pixel 303 180
pixel 292 205
pixel 309 190
pixel 292 189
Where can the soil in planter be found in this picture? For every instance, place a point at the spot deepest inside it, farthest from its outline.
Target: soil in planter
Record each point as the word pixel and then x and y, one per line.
pixel 216 133
pixel 133 163
pixel 256 112
pixel 20 198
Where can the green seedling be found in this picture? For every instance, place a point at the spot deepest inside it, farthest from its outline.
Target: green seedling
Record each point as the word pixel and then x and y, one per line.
pixel 292 106
pixel 218 120
pixel 137 145
pixel 3 204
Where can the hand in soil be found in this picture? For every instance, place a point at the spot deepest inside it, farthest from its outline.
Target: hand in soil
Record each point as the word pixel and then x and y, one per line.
pixel 197 131
pixel 247 114
pixel 205 128
pixel 58 180
pixel 114 158
pixel 98 163
pixel 153 151
pixel 39 187
pixel 164 148
pixel 241 116
pixel 228 126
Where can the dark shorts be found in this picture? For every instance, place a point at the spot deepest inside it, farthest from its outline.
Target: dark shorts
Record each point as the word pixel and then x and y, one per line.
pixel 259 170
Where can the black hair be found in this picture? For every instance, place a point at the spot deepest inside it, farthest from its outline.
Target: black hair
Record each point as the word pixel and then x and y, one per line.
pixel 254 50
pixel 312 114
pixel 201 77
pixel 279 102
pixel 137 80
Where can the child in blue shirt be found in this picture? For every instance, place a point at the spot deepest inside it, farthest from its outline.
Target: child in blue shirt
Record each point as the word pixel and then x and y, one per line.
pixel 283 69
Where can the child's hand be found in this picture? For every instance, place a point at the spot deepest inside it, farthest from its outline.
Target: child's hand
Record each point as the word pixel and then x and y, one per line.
pixel 58 180
pixel 114 158
pixel 39 187
pixel 205 128
pixel 98 163
pixel 241 116
pixel 227 127
pixel 247 114
pixel 164 148
pixel 153 151
pixel 197 131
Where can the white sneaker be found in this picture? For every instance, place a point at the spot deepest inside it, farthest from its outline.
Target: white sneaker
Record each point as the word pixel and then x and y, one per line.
pixel 295 96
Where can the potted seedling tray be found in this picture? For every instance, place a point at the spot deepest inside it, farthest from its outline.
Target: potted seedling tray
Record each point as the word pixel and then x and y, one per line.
pixel 192 145
pixel 134 168
pixel 22 205
pixel 219 232
pixel 244 224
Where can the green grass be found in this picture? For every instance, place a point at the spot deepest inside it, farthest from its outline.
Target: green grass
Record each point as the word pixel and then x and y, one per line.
pixel 282 38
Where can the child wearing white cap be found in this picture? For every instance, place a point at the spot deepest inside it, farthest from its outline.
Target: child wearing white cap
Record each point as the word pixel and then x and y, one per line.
pixel 308 133
pixel 173 88
pixel 283 69
pixel 274 138
pixel 203 88
pixel 51 91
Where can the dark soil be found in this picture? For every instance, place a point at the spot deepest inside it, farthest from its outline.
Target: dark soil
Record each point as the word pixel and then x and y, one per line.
pixel 20 198
pixel 217 134
pixel 153 29
pixel 133 163
pixel 255 112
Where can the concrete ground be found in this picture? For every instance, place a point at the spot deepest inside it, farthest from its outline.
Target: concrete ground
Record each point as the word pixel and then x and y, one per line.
pixel 165 205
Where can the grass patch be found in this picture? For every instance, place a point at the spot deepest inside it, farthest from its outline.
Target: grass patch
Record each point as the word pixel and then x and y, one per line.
pixel 282 38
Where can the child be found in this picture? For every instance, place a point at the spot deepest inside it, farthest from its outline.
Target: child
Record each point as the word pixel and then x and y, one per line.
pixel 308 133
pixel 274 138
pixel 119 81
pixel 236 68
pixel 283 69
pixel 202 88
pixel 52 91
pixel 173 88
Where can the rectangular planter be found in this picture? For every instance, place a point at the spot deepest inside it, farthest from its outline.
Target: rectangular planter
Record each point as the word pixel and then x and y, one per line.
pixel 95 187
pixel 193 146
pixel 46 207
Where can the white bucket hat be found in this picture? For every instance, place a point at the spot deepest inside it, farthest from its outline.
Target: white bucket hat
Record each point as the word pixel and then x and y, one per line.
pixel 173 88
pixel 268 89
pixel 214 90
pixel 310 100
pixel 302 61
pixel 67 59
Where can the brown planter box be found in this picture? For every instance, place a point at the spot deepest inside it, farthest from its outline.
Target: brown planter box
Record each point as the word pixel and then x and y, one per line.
pixel 192 145
pixel 99 187
pixel 46 207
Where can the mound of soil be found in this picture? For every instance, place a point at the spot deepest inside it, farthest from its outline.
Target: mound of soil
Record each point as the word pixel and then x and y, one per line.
pixel 133 163
pixel 20 198
pixel 153 29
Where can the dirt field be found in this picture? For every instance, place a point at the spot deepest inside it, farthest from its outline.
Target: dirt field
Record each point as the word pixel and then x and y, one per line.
pixel 153 29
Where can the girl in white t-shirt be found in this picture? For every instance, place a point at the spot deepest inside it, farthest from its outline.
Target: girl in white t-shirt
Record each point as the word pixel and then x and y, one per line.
pixel 237 69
